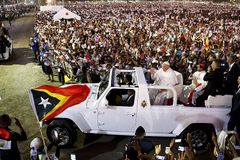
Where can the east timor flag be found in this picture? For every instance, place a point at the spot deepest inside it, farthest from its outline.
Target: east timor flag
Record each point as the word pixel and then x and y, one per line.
pixel 50 101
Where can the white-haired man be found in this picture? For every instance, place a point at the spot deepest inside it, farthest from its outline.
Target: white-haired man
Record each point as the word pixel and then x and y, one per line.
pixel 165 76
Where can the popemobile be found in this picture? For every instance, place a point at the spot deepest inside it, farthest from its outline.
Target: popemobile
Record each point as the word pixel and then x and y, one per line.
pixel 122 102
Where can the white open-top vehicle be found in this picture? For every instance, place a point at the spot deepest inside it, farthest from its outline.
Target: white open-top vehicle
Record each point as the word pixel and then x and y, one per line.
pixel 103 112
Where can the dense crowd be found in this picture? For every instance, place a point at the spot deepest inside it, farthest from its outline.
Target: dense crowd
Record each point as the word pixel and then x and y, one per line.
pixel 192 38
pixel 10 12
pixel 140 34
pixel 222 147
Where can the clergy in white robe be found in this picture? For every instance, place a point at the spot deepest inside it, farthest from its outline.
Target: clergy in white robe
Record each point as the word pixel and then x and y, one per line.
pixel 165 76
pixel 191 92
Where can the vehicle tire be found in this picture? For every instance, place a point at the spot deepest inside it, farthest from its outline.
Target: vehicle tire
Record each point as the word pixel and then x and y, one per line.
pixel 62 132
pixel 201 135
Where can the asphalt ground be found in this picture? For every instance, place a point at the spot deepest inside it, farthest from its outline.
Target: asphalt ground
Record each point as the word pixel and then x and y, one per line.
pixel 107 147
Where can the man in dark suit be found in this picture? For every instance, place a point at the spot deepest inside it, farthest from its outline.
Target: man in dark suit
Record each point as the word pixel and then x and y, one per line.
pixel 129 79
pixel 214 78
pixel 232 75
pixel 234 120
pixel 130 99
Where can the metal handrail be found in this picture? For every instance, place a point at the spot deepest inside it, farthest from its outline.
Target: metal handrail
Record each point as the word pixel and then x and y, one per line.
pixel 168 88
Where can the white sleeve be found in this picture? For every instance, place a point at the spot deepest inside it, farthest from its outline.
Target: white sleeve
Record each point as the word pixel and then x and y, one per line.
pixel 174 79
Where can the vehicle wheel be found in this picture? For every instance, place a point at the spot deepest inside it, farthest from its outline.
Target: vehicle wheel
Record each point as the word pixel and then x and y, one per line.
pixel 201 135
pixel 62 132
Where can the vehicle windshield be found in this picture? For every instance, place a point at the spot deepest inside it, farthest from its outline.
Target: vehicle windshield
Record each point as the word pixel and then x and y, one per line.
pixel 103 84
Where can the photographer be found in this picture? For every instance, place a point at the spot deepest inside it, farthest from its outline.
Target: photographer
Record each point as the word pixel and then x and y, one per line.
pixel 138 147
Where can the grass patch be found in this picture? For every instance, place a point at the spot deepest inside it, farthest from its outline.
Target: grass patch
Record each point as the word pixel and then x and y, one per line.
pixel 18 76
pixel 15 82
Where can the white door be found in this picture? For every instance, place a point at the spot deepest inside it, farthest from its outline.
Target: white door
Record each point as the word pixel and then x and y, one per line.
pixel 117 117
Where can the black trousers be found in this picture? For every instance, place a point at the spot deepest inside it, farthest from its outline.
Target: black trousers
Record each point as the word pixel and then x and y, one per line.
pixel 61 77
pixel 232 123
pixel 201 99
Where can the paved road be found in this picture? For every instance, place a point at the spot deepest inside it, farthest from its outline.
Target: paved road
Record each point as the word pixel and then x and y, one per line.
pixel 110 147
pixel 21 31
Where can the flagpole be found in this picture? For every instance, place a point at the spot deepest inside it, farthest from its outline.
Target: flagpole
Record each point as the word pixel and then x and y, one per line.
pixel 44 143
pixel 41 133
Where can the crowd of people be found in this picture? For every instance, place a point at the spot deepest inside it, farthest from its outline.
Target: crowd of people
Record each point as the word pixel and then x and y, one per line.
pixel 222 147
pixel 199 40
pixel 10 12
pixel 189 36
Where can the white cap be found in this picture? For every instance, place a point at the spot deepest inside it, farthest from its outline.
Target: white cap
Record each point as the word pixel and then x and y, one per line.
pixel 36 143
pixel 167 63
